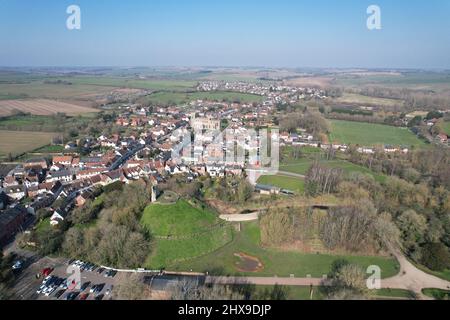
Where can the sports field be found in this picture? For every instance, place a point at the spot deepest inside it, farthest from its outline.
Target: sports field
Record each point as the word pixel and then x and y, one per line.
pixel 368 134
pixel 18 142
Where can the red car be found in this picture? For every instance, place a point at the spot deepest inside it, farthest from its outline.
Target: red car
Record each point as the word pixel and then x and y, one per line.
pixel 84 296
pixel 47 271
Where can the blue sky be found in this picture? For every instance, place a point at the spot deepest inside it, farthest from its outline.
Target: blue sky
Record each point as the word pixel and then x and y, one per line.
pixel 282 33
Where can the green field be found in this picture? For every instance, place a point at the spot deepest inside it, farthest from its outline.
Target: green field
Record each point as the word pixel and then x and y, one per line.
pixel 37 89
pixel 302 165
pixel 367 134
pixel 181 231
pixel 276 262
pixel 296 185
pixel 165 98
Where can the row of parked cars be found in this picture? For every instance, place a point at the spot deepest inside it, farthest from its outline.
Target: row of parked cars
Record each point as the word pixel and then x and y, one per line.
pixel 91 267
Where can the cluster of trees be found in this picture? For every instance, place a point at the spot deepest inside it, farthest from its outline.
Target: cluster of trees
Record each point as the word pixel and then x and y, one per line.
pixel 413 99
pixel 105 231
pixel 348 282
pixel 419 211
pixel 357 227
pixel 232 189
pixel 117 238
pixel 321 179
pixel 313 122
pixel 6 275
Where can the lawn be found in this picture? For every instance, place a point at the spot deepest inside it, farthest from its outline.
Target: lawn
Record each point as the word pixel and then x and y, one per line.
pixel 437 294
pixel 18 142
pixel 368 134
pixel 182 232
pixel 290 292
pixel 392 293
pixel 179 219
pixel 296 185
pixel 276 262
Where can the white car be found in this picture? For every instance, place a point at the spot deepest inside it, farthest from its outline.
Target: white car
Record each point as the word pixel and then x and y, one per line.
pixel 41 288
pixel 50 291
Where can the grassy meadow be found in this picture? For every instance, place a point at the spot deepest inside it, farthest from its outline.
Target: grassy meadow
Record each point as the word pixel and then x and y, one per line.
pixel 368 134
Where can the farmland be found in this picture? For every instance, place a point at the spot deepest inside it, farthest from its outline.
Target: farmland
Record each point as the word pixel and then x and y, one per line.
pixel 40 90
pixel 351 98
pixel 164 98
pixel 41 107
pixel 18 142
pixel 367 134
pixel 445 127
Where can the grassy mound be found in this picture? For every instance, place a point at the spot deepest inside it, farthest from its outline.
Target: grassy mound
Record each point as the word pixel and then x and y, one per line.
pixel 182 232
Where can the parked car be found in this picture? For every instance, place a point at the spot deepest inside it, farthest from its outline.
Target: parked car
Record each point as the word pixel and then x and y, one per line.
pixel 59 294
pixel 99 297
pixel 72 296
pixel 108 290
pixel 85 285
pixel 17 265
pixel 84 296
pixel 47 271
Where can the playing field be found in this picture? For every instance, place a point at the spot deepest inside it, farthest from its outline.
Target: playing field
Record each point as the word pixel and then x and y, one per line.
pixel 368 134
pixel 181 231
pixel 18 142
pixel 42 107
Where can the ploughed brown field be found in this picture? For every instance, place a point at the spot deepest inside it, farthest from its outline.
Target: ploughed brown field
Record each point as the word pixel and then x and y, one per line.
pixel 18 142
pixel 42 107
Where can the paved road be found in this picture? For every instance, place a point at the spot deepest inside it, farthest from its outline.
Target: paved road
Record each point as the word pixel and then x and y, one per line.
pixel 412 278
pixel 266 281
pixel 240 217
